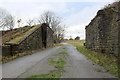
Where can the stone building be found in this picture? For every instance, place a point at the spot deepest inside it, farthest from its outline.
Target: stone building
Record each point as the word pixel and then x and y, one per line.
pixel 102 33
pixel 31 38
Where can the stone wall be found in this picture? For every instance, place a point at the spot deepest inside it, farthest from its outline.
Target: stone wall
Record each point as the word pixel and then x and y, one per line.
pixel 37 39
pixel 119 42
pixel 6 50
pixel 50 39
pixel 31 42
pixel 102 32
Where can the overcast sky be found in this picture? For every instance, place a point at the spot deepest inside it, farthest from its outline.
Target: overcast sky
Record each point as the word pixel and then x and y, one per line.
pixel 76 13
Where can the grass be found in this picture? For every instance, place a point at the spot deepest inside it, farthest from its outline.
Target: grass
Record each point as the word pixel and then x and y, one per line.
pixel 64 48
pixel 58 61
pixel 99 70
pixel 47 76
pixel 76 42
pixel 108 61
pixel 19 38
pixel 58 44
pixel 9 35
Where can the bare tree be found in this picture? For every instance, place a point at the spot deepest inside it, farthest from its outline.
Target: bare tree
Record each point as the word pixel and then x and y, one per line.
pixel 6 19
pixel 2 18
pixel 55 23
pixel 46 17
pixel 19 22
pixel 10 21
pixel 31 22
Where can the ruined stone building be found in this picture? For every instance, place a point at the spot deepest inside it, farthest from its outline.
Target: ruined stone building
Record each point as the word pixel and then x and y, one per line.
pixel 102 33
pixel 26 38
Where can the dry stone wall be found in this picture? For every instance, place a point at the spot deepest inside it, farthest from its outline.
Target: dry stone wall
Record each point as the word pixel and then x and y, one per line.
pixel 50 39
pixel 102 34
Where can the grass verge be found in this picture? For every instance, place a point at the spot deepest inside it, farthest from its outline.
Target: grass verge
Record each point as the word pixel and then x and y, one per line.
pixel 58 61
pixel 108 61
pixel 58 44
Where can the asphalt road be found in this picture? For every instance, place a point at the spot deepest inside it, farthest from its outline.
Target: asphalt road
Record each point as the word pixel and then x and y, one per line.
pixel 30 64
pixel 78 66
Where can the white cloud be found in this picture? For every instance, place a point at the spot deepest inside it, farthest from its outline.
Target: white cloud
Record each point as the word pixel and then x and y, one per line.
pixel 76 30
pixel 58 0
pixel 83 16
pixel 17 1
pixel 78 21
pixel 56 7
pixel 37 1
pixel 32 10
pixel 26 9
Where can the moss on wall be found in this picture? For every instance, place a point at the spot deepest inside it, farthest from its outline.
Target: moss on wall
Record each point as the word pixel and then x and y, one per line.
pixel 30 40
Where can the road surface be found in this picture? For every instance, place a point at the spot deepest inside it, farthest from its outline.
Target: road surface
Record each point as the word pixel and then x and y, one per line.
pixel 78 66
